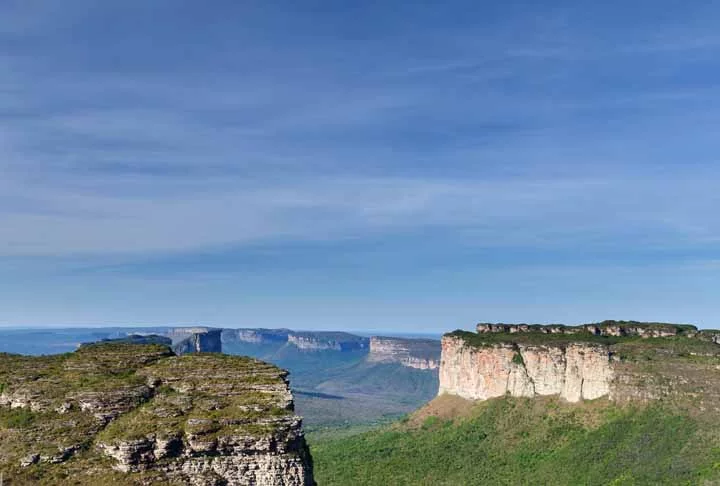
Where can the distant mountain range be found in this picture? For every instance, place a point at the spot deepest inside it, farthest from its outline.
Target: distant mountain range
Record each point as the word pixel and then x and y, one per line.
pixel 339 378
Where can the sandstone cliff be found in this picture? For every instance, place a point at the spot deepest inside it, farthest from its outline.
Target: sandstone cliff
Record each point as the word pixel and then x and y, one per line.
pixel 423 354
pixel 137 414
pixel 621 364
pixel 196 340
pixel 303 340
pixel 575 372
pixel 256 336
pixel 325 341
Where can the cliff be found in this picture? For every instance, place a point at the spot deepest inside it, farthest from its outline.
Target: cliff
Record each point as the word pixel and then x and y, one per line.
pixel 196 340
pixel 303 340
pixel 116 413
pixel 637 363
pixel 256 336
pixel 423 354
pixel 325 341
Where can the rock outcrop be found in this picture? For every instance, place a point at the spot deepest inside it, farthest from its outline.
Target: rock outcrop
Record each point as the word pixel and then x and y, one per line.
pixel 256 336
pixel 196 340
pixel 200 419
pixel 422 354
pixel 575 372
pixel 304 340
pixel 326 341
pixel 619 362
pixel 605 328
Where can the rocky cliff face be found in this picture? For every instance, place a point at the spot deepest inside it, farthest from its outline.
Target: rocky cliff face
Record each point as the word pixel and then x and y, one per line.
pixel 137 414
pixel 196 340
pixel 683 366
pixel 304 340
pixel 256 336
pixel 423 354
pixel 575 372
pixel 326 341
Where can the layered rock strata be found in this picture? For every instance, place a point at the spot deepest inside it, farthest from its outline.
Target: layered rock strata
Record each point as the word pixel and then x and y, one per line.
pixel 575 372
pixel 137 414
pixel 196 340
pixel 303 340
pixel 327 341
pixel 422 354
pixel 256 336
pixel 681 367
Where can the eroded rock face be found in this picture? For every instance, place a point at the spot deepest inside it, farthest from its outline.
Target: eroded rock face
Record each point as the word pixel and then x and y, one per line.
pixel 200 419
pixel 575 372
pixel 197 340
pixel 422 354
pixel 256 336
pixel 683 368
pixel 327 341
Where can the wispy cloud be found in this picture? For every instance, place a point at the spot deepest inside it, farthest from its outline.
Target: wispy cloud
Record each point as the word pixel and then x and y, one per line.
pixel 546 131
pixel 222 212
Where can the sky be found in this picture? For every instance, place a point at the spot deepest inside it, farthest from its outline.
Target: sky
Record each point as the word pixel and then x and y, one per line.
pixel 406 166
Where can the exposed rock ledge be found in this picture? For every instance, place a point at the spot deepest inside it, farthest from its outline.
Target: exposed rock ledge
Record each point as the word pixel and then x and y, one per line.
pixel 604 328
pixel 683 368
pixel 187 340
pixel 575 372
pixel 422 354
pixel 137 414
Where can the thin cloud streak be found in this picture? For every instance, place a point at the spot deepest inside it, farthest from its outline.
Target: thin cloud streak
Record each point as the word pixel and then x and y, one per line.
pixel 508 212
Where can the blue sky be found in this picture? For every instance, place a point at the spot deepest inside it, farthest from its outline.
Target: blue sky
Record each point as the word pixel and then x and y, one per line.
pixel 358 165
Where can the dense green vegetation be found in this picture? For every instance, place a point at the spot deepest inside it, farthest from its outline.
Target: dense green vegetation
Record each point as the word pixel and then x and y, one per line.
pixel 529 442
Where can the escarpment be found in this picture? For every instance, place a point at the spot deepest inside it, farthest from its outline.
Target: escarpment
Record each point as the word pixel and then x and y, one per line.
pixel 256 336
pixel 302 340
pixel 326 341
pixel 639 362
pixel 117 413
pixel 196 340
pixel 423 354
pixel 575 371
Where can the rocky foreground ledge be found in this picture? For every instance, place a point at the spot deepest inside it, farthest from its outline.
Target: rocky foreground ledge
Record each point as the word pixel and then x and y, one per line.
pixel 116 413
pixel 622 361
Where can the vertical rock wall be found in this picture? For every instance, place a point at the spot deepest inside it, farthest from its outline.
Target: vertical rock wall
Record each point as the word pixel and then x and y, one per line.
pixel 574 371
pixel 423 354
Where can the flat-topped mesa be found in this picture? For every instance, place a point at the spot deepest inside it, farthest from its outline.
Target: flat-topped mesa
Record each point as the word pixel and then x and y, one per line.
pixel 256 336
pixel 196 340
pixel 327 340
pixel 201 419
pixel 574 371
pixel 611 359
pixel 423 354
